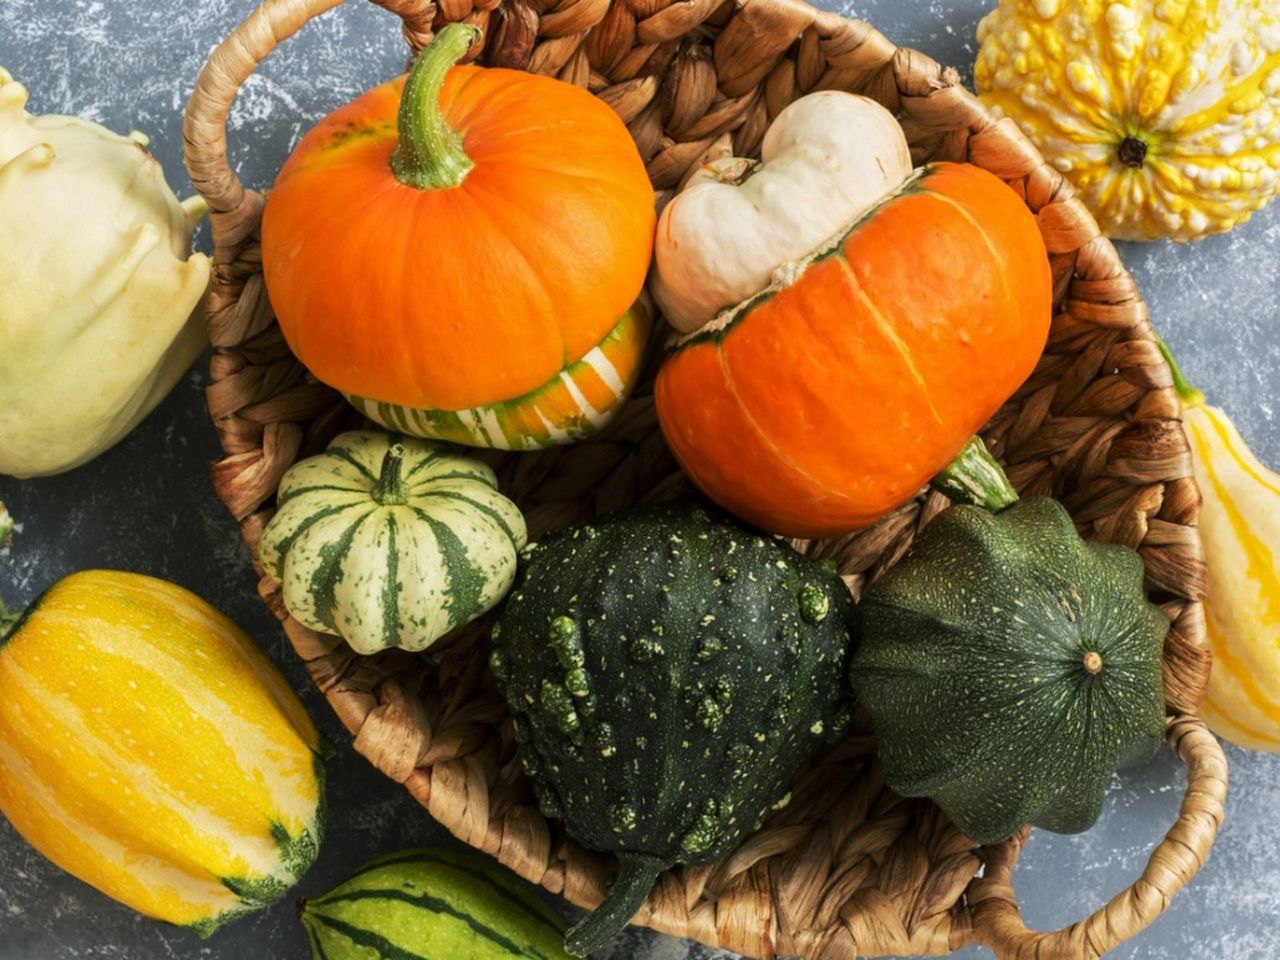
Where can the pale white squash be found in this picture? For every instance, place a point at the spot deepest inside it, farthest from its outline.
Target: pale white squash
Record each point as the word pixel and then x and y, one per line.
pixel 99 313
pixel 825 161
pixel 391 542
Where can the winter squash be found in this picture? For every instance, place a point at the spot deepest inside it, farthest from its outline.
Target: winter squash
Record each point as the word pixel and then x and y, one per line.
pixel 391 543
pixel 150 749
pixel 431 905
pixel 100 314
pixel 1009 668
pixel 1240 528
pixel 401 262
pixel 825 160
pixel 833 396
pixel 1165 116
pixel 668 672
pixel 575 404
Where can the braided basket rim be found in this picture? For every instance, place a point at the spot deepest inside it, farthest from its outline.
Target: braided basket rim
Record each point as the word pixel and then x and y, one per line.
pixel 867 872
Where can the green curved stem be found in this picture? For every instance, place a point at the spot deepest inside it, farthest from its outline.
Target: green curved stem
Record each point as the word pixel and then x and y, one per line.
pixel 391 490
pixel 975 478
pixel 430 155
pixel 625 898
pixel 1190 395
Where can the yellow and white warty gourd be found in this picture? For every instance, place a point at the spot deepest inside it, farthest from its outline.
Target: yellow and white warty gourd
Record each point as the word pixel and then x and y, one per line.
pixel 1240 528
pixel 99 289
pixel 391 542
pixel 825 161
pixel 150 749
pixel 1164 114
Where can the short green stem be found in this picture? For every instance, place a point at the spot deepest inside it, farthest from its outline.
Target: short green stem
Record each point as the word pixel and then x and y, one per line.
pixel 391 490
pixel 975 478
pixel 1189 395
pixel 7 620
pixel 430 155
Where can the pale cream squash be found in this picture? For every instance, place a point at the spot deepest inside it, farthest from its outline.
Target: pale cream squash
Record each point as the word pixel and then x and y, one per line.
pixel 1240 528
pixel 1164 114
pixel 99 313
pixel 825 160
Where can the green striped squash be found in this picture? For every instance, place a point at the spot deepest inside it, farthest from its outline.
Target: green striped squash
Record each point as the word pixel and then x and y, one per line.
pixel 577 402
pixel 431 905
pixel 391 542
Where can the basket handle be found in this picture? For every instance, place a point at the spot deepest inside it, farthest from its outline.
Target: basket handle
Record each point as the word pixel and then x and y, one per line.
pixel 998 923
pixel 204 128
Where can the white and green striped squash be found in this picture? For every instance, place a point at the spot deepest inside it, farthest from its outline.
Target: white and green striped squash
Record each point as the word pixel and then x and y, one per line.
pixel 391 542
pixel 431 905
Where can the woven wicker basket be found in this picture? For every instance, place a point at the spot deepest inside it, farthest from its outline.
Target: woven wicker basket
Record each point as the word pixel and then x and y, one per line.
pixel 849 867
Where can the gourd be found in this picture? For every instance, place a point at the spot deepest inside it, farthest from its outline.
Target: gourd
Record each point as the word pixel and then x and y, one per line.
pixel 469 269
pixel 668 672
pixel 825 160
pixel 100 312
pixel 6 526
pixel 1164 116
pixel 830 398
pixel 149 748
pixel 1009 667
pixel 431 905
pixel 391 542
pixel 1240 529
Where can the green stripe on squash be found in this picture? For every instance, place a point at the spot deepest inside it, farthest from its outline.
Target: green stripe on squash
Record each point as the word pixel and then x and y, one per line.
pixel 500 882
pixel 431 905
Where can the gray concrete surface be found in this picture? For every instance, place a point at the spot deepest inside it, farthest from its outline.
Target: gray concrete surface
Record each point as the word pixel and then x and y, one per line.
pixel 147 505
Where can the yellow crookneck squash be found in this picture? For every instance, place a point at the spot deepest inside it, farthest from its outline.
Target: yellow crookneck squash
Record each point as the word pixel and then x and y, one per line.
pixel 1240 528
pixel 150 749
pixel 1164 114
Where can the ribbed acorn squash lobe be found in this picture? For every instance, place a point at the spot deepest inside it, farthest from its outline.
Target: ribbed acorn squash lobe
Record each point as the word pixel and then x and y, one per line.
pixel 669 672
pixel 975 667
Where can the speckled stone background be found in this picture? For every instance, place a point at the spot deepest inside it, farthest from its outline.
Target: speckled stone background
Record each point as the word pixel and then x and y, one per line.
pixel 147 506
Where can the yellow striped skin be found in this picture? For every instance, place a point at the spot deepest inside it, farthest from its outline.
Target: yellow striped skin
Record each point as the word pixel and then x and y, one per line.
pixel 150 749
pixel 1240 526
pixel 579 401
pixel 1195 82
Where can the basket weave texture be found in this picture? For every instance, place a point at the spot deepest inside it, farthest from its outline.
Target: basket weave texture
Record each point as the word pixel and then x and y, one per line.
pixel 848 868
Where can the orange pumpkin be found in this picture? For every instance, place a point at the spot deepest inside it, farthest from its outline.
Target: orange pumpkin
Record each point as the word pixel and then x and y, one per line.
pixel 456 245
pixel 834 396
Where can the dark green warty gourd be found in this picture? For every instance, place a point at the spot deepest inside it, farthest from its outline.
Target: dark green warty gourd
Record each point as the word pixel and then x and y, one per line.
pixel 1009 668
pixel 668 672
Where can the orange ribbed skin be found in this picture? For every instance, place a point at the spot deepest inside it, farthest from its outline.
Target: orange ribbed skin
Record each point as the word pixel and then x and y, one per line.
pixel 464 296
pixel 825 404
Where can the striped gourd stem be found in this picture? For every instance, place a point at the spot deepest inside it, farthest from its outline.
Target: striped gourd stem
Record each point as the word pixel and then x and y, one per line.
pixel 391 490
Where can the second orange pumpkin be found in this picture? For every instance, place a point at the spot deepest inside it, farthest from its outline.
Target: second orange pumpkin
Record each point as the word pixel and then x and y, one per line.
pixel 822 404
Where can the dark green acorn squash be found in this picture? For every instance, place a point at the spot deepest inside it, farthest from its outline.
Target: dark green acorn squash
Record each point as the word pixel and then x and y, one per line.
pixel 668 672
pixel 1009 668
